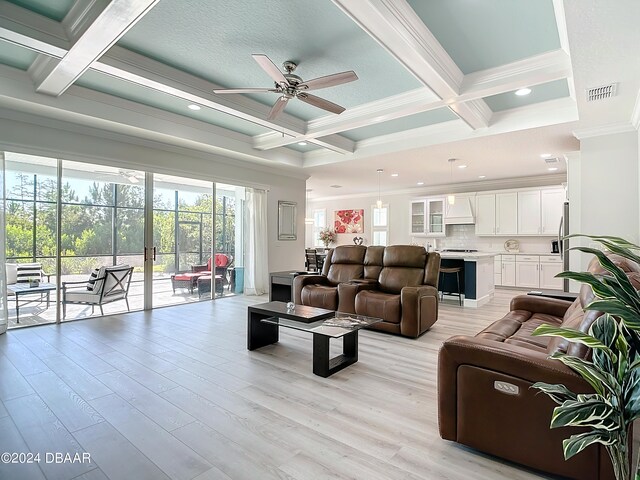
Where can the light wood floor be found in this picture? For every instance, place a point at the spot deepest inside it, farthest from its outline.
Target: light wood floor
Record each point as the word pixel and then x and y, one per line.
pixel 174 393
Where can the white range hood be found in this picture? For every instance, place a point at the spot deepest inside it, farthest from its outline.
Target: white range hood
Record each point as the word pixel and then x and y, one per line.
pixel 460 213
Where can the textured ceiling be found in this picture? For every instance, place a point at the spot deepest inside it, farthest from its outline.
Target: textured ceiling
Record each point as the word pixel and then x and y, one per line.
pixel 215 40
pixel 53 9
pixel 482 34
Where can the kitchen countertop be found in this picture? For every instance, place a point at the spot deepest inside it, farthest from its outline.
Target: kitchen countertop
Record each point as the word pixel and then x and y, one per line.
pixel 470 256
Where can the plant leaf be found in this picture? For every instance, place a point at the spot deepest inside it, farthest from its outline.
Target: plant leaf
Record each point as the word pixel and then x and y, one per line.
pixel 572 335
pixel 605 329
pixel 629 316
pixel 558 393
pixel 576 443
pixel 617 240
pixel 600 289
pixel 587 411
pixel 594 377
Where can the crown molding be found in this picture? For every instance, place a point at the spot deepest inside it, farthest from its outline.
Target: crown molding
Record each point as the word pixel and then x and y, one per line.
pixel 461 188
pixel 611 129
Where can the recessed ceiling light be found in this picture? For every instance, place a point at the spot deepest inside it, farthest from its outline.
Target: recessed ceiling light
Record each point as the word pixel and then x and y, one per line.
pixel 302 143
pixel 335 186
pixel 523 91
pixel 394 174
pixel 420 183
pixel 545 155
pixel 462 166
pixel 193 106
pixel 482 176
pixel 552 169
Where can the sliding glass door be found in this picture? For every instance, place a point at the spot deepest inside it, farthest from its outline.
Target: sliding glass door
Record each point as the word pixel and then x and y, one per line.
pixel 70 225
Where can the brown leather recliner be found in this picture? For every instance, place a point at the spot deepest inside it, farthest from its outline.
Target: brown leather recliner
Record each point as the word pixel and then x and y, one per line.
pixel 406 293
pixel 485 399
pixel 397 283
pixel 343 263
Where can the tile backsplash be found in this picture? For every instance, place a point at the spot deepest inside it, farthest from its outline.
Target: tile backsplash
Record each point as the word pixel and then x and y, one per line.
pixel 464 237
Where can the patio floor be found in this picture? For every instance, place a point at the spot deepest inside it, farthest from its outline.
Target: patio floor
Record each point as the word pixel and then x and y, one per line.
pixel 36 312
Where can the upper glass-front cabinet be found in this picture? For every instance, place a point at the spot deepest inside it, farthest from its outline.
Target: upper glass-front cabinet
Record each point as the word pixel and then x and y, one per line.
pixel 435 217
pixel 418 210
pixel 427 217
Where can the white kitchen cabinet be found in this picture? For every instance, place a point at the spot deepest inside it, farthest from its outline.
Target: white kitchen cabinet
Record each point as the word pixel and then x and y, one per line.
pixel 508 271
pixel 550 266
pixel 528 271
pixel 506 213
pixel 418 216
pixel 552 202
pixel 497 270
pixel 529 213
pixel 435 217
pixel 486 214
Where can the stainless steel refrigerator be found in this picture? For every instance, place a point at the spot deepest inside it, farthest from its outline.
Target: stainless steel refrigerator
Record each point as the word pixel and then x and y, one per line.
pixel 563 231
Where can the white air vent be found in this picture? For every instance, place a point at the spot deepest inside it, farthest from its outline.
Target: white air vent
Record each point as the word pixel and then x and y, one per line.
pixel 552 161
pixel 600 93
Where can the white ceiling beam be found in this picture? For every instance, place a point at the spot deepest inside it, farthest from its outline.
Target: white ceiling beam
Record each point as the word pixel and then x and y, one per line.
pixel 113 21
pixel 553 112
pixel 530 71
pixel 399 29
pixel 79 105
pixel 33 31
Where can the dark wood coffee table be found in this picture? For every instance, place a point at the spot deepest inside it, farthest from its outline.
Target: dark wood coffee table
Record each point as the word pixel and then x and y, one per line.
pixel 264 321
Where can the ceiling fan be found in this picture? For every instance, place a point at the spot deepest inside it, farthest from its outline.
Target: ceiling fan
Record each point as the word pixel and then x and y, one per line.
pixel 288 86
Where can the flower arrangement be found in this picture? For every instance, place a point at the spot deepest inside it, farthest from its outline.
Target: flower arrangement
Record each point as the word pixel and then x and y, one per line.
pixel 327 236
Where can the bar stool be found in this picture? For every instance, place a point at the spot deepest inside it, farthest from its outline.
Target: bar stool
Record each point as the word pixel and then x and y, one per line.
pixel 446 270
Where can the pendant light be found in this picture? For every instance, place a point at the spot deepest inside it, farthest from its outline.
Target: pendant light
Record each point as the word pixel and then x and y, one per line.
pixel 308 220
pixel 379 202
pixel 451 198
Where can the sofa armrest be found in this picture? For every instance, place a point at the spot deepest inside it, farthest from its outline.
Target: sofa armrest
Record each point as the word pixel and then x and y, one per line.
pixel 348 291
pixel 546 305
pixel 300 281
pixel 524 363
pixel 419 309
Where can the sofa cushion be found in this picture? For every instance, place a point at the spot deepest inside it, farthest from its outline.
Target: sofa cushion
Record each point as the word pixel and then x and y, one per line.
pixel 373 262
pixel 515 328
pixel 320 296
pixel 379 304
pixel 12 273
pixel 403 266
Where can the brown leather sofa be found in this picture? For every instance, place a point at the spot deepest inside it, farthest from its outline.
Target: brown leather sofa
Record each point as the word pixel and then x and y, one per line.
pixel 485 399
pixel 397 283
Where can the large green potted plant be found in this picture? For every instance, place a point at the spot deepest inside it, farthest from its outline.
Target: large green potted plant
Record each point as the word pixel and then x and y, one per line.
pixel 613 371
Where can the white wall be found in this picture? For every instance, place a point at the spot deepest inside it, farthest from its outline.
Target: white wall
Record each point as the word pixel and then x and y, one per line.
pixel 603 188
pixel 65 141
pixel 458 236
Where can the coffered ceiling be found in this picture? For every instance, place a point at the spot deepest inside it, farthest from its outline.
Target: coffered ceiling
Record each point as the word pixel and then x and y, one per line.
pixel 430 73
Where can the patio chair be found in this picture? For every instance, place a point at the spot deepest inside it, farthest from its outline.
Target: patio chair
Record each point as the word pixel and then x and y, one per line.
pixel 109 285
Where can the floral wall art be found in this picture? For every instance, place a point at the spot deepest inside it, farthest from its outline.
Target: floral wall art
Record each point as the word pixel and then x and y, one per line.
pixel 349 221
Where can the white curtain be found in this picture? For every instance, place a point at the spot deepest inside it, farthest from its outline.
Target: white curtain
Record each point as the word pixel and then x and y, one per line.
pixel 4 316
pixel 256 262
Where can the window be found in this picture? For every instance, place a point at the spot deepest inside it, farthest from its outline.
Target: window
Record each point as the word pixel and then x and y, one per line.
pixel 319 222
pixel 380 222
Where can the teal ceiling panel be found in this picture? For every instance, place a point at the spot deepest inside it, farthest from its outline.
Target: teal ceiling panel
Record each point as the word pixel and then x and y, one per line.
pixel 482 34
pixel 401 124
pixel 215 40
pixel 53 9
pixel 15 56
pixel 539 93
pixel 146 96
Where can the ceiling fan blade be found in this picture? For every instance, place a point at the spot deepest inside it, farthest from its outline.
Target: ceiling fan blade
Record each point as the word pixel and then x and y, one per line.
pixel 321 103
pixel 331 80
pixel 244 90
pixel 278 107
pixel 270 67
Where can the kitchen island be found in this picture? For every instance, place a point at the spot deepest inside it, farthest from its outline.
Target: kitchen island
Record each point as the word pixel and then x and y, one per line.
pixel 476 278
